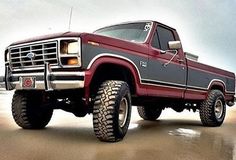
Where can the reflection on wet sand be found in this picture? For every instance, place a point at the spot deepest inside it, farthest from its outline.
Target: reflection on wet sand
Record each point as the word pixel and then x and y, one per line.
pixel 174 136
pixel 186 133
pixel 191 142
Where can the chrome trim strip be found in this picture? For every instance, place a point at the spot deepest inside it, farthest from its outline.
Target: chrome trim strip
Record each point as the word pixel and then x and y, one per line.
pixel 159 85
pixel 170 83
pixel 47 73
pixel 209 85
pixel 36 68
pixel 7 75
pixel 55 85
pixel 69 73
pixel 28 74
pixel 34 61
pixel 52 73
pixel 127 59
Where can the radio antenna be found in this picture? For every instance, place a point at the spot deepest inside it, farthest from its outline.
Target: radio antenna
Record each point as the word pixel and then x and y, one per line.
pixel 71 11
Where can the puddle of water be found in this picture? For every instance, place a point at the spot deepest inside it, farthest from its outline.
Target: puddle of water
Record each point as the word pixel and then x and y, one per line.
pixel 133 126
pixel 222 145
pixel 189 133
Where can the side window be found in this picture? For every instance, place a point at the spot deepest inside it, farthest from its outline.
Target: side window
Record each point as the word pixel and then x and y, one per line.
pixel 155 41
pixel 165 35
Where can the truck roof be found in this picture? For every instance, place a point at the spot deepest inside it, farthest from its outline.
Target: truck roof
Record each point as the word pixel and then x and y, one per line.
pixel 128 22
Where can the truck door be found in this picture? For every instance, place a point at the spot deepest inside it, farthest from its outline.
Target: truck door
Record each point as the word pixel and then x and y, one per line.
pixel 166 78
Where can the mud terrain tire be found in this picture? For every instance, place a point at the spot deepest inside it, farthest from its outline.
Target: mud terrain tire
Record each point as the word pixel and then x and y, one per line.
pixel 213 110
pixel 112 111
pixel 28 110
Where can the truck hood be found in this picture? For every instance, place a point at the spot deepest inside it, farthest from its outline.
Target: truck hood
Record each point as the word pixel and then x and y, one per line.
pixel 48 36
pixel 105 41
pixel 113 43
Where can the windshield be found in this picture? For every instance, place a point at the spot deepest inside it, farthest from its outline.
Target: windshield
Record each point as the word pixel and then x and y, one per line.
pixel 134 32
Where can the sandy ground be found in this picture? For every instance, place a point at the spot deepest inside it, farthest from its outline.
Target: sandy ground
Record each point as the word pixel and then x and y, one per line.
pixel 175 136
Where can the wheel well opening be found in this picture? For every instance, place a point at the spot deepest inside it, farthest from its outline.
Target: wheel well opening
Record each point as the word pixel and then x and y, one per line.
pixel 112 72
pixel 218 88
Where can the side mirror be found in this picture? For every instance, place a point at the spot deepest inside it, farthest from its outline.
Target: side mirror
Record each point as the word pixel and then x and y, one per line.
pixel 174 45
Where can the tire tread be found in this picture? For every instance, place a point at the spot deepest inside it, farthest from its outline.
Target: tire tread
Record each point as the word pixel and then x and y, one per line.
pixel 207 114
pixel 22 112
pixel 104 108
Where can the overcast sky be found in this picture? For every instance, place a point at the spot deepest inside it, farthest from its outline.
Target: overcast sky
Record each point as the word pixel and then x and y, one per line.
pixel 206 27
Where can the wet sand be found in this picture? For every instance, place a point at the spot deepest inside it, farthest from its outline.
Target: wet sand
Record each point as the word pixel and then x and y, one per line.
pixel 175 136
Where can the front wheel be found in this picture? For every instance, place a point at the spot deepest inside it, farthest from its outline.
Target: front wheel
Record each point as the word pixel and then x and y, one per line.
pixel 213 110
pixel 112 111
pixel 29 111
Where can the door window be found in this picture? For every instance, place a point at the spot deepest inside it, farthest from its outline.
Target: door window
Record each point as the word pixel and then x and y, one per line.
pixel 155 41
pixel 165 35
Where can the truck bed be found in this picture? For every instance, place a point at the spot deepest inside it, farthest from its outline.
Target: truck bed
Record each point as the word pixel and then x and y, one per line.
pixel 201 77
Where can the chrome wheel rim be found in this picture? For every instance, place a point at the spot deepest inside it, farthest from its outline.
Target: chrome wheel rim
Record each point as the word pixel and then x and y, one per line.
pixel 219 107
pixel 123 111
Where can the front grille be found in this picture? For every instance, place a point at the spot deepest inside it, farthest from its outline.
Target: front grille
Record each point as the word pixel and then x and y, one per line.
pixel 33 55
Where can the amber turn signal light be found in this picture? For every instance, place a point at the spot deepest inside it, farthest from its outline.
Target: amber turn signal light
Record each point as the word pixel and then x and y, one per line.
pixel 72 61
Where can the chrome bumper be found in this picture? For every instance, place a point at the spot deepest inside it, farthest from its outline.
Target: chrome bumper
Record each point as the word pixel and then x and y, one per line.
pixel 46 80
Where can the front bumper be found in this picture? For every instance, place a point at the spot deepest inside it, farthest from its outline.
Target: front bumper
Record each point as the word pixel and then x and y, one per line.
pixel 46 80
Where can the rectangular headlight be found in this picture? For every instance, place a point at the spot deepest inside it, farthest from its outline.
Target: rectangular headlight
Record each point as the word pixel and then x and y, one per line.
pixel 70 52
pixel 73 48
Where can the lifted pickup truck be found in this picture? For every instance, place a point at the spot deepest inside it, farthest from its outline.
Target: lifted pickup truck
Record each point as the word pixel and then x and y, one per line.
pixel 104 73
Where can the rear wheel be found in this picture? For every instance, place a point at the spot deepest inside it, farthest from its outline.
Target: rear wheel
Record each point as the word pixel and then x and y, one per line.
pixel 112 111
pixel 213 110
pixel 149 112
pixel 28 110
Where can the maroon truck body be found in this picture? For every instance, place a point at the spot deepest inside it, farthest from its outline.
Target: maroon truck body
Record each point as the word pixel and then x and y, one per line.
pixel 154 71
